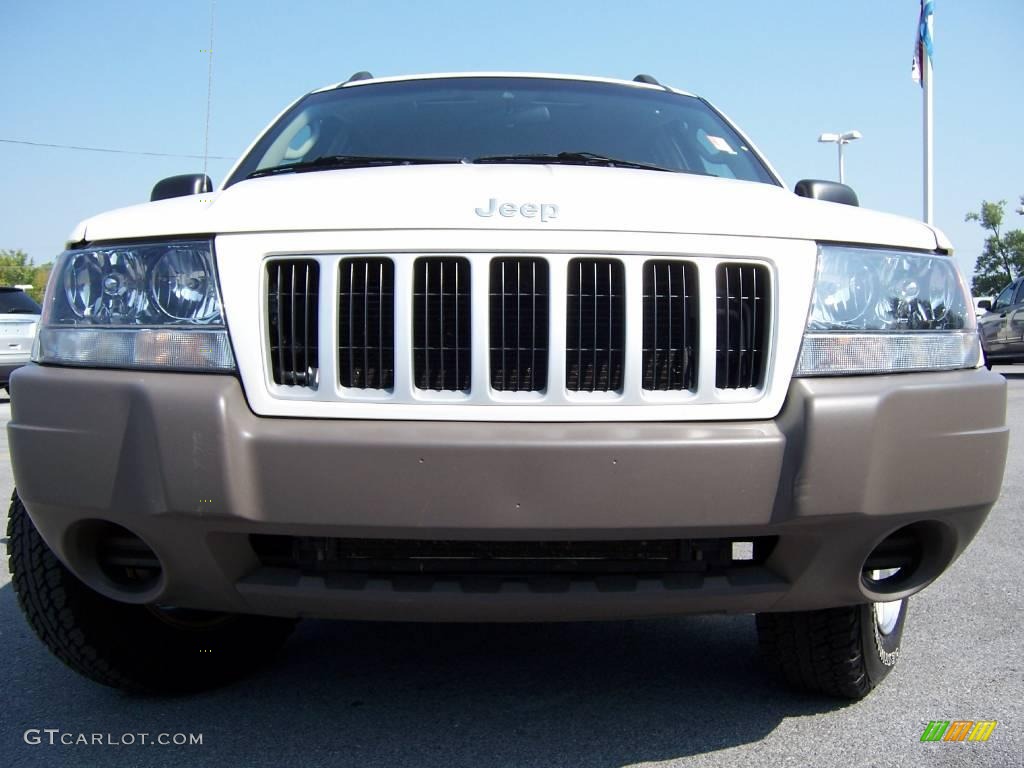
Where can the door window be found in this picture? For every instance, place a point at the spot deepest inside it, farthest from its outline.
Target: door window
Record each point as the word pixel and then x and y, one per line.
pixel 1005 297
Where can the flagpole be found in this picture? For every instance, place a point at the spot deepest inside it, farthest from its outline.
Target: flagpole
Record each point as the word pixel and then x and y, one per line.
pixel 926 81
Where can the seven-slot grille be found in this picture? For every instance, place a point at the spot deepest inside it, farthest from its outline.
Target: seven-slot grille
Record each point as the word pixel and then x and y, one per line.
pixel 595 327
pixel 742 294
pixel 670 326
pixel 404 324
pixel 292 299
pixel 366 324
pixel 441 349
pixel 519 324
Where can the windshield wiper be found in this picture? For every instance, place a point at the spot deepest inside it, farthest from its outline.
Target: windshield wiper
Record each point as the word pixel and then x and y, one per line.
pixel 577 158
pixel 347 161
pixel 20 311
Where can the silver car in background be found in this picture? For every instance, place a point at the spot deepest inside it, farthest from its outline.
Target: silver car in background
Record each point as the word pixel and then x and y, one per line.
pixel 19 319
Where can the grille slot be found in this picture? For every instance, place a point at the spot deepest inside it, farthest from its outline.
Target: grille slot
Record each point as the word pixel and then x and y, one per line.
pixel 595 325
pixel 441 324
pixel 670 326
pixel 320 555
pixel 366 324
pixel 519 324
pixel 742 303
pixel 292 289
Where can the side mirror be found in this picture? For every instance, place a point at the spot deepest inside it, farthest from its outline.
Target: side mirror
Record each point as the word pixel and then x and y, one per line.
pixel 830 191
pixel 985 304
pixel 179 186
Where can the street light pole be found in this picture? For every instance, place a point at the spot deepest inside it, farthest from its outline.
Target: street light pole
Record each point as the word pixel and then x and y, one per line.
pixel 839 139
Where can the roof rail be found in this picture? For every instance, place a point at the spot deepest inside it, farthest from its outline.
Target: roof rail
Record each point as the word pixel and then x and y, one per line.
pixel 649 79
pixel 361 75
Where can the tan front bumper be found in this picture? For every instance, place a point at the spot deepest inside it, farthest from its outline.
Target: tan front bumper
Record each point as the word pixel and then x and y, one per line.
pixel 181 461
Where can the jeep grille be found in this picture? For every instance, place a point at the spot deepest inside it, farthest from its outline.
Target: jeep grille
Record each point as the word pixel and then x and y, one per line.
pixel 493 329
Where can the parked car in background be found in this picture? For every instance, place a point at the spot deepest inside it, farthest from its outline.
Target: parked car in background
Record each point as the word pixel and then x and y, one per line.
pixel 1002 327
pixel 19 318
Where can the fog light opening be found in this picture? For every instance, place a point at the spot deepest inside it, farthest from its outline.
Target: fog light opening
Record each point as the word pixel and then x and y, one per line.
pixel 895 564
pixel 125 559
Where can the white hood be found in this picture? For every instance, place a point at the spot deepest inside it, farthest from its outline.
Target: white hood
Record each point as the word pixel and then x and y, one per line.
pixel 448 196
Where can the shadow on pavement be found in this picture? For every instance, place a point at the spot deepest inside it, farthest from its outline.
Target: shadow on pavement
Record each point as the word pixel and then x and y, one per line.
pixel 428 695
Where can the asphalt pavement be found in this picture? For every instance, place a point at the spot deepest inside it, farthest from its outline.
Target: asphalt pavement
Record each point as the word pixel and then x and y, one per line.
pixel 678 692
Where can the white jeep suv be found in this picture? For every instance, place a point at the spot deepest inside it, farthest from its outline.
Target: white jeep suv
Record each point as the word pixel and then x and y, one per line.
pixel 496 348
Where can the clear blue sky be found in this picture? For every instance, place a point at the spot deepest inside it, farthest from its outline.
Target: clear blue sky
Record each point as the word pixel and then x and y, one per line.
pixel 130 75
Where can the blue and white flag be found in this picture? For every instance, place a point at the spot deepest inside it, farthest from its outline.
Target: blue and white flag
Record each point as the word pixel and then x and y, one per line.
pixel 923 44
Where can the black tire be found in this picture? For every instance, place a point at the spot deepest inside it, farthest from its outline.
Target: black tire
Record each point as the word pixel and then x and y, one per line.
pixel 838 651
pixel 133 647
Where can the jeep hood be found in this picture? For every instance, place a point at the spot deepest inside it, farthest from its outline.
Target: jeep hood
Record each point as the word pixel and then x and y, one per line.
pixel 448 196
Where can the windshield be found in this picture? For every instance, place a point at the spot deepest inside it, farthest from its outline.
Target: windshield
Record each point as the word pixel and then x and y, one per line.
pixel 14 301
pixel 503 119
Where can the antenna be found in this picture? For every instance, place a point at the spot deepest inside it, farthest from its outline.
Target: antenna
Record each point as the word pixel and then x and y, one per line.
pixel 209 93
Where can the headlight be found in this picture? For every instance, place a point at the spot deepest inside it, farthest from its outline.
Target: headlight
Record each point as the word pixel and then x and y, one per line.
pixel 147 305
pixel 879 311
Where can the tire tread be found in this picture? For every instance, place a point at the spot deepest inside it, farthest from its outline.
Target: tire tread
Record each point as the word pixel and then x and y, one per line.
pixel 42 596
pixel 819 651
pixel 124 645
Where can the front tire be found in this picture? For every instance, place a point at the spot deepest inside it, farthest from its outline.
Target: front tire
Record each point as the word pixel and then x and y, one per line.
pixel 843 652
pixel 133 647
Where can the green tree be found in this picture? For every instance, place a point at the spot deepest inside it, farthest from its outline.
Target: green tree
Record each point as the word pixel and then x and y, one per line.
pixel 39 279
pixel 1002 257
pixel 16 268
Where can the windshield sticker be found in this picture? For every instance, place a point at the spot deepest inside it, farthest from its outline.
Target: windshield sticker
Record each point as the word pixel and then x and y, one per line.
pixel 721 144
